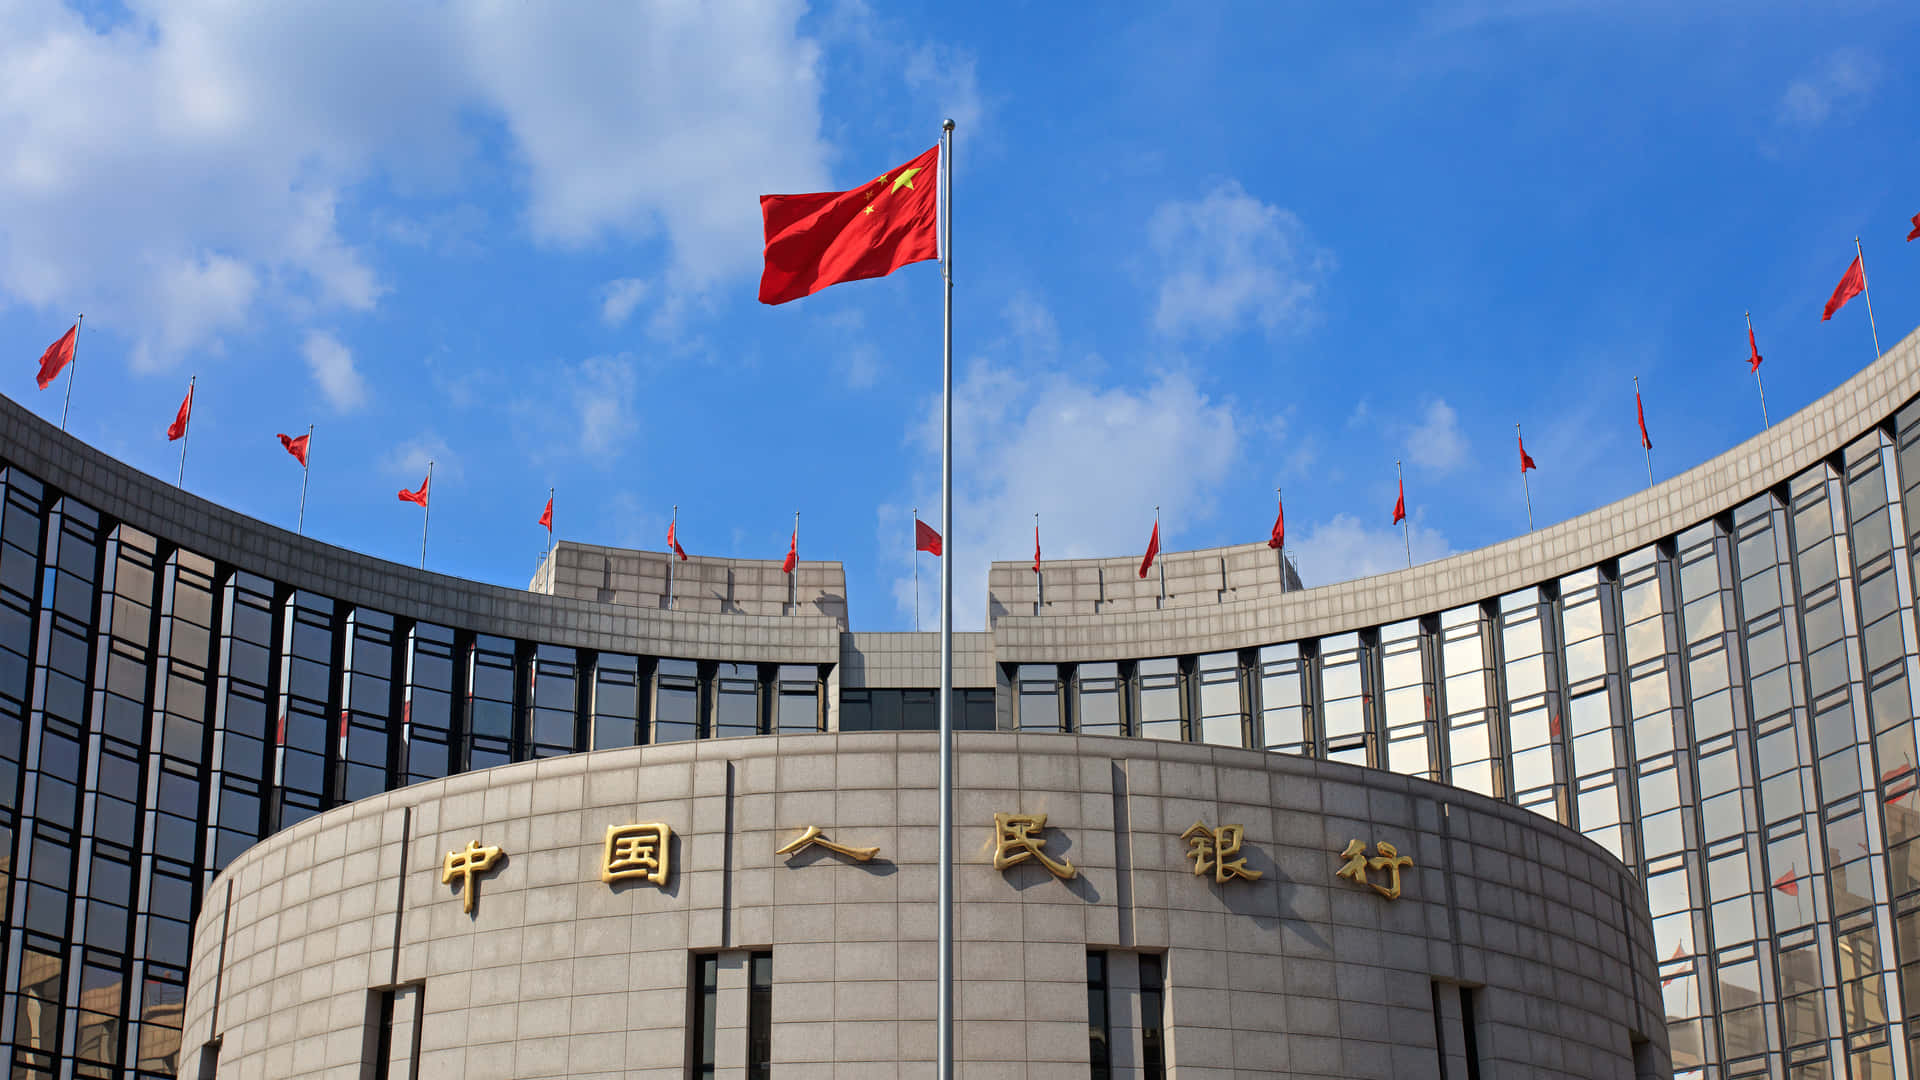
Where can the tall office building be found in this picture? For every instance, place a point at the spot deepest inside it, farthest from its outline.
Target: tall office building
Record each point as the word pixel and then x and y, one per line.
pixel 1715 680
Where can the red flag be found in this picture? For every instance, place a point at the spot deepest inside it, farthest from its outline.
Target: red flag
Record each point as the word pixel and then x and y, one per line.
pixel 822 239
pixel 1279 538
pixel 1852 284
pixel 1753 348
pixel 420 496
pixel 1400 504
pixel 925 538
pixel 1916 227
pixel 1788 882
pixel 296 447
pixel 1645 442
pixel 179 426
pixel 1525 461
pixel 58 355
pixel 675 544
pixel 1153 548
pixel 546 516
pixel 1036 548
pixel 793 553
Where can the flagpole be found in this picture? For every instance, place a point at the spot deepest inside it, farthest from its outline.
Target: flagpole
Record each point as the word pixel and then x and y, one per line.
pixel 1640 415
pixel 916 569
pixel 1280 506
pixel 944 1026
pixel 1524 486
pixel 74 360
pixel 1039 579
pixel 793 579
pixel 426 515
pixel 1406 531
pixel 1157 558
pixel 549 534
pixel 185 434
pixel 671 555
pixel 1862 256
pixel 300 529
pixel 1764 422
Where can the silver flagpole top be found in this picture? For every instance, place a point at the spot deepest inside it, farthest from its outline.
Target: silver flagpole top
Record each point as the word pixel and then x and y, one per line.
pixel 947 125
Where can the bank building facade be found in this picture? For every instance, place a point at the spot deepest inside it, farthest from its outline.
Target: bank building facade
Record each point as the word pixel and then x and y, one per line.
pixel 1632 795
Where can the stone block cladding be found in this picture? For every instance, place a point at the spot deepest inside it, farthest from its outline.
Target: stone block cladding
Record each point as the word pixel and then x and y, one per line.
pixel 1300 973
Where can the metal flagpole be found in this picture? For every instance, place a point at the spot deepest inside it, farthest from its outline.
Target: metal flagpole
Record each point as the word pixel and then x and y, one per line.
pixel 1862 256
pixel 1280 507
pixel 1764 422
pixel 944 1027
pixel 185 434
pixel 426 515
pixel 1157 558
pixel 916 569
pixel 1639 417
pixel 549 534
pixel 671 556
pixel 1039 579
pixel 74 360
pixel 1524 486
pixel 793 579
pixel 1406 531
pixel 301 528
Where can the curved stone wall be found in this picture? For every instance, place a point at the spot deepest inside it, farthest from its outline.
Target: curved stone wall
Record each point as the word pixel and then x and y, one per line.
pixel 557 974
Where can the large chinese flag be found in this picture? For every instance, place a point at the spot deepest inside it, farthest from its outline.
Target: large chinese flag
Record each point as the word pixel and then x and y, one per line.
pixel 822 239
pixel 417 497
pixel 793 552
pixel 1153 549
pixel 1526 462
pixel 674 543
pixel 1400 504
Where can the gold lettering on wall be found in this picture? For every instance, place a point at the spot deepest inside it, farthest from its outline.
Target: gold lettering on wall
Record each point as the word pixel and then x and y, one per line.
pixel 637 851
pixel 1212 850
pixel 1017 838
pixel 813 835
pixel 464 865
pixel 1386 858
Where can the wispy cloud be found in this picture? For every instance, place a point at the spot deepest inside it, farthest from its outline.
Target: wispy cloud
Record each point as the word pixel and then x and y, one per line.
pixel 619 297
pixel 1091 454
pixel 331 363
pixel 1435 441
pixel 408 460
pixel 1841 82
pixel 1231 260
pixel 1344 548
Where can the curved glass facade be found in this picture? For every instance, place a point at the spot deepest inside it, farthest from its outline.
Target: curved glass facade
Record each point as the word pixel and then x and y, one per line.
pixel 1728 707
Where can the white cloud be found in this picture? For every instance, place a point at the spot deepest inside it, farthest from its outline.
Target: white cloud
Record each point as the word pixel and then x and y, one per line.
pixel 1435 442
pixel 950 77
pixel 619 297
pixel 1343 548
pixel 714 104
pixel 171 172
pixel 332 366
pixel 1231 259
pixel 1841 81
pixel 603 389
pixel 408 461
pixel 1093 459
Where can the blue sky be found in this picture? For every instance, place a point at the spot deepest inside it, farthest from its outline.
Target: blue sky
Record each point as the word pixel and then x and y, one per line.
pixel 1199 254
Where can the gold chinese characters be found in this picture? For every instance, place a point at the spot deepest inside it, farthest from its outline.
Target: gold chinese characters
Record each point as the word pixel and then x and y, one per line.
pixel 464 865
pixel 1017 838
pixel 813 835
pixel 1386 857
pixel 637 851
pixel 1211 849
